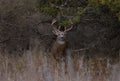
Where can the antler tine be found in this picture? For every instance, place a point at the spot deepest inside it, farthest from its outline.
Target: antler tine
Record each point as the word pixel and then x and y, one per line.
pixel 53 21
pixel 55 29
pixel 70 27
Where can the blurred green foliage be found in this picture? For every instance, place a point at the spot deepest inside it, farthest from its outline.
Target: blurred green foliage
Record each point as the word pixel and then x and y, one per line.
pixel 113 5
pixel 20 66
pixel 64 23
pixel 73 9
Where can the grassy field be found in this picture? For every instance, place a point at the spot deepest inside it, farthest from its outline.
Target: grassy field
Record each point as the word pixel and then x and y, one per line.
pixel 36 65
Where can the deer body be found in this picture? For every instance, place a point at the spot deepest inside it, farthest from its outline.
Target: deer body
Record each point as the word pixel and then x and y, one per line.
pixel 59 49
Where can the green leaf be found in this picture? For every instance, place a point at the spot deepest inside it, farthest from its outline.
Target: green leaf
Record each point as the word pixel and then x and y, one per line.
pixel 19 66
pixel 64 23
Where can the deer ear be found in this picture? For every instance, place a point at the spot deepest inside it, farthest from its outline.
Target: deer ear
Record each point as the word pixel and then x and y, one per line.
pixel 54 32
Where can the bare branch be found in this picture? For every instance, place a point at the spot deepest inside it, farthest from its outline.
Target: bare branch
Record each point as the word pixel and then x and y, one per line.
pixel 5 40
pixel 61 6
pixel 65 3
pixel 82 49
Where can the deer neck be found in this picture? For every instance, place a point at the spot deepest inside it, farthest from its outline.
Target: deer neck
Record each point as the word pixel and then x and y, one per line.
pixel 61 41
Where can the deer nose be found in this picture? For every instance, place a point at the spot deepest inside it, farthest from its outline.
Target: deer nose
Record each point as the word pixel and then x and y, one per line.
pixel 61 36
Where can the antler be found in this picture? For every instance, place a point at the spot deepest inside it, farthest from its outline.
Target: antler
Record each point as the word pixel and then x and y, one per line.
pixel 70 26
pixel 53 21
pixel 56 31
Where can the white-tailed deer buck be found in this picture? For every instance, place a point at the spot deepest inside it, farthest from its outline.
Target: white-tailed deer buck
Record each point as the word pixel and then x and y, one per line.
pixel 60 46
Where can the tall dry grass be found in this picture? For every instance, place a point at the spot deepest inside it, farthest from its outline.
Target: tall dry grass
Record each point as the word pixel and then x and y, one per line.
pixel 36 65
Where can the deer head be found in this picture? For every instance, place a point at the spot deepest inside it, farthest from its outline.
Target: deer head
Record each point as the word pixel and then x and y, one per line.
pixel 61 34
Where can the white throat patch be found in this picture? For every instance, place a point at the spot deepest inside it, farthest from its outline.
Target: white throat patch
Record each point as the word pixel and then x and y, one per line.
pixel 61 42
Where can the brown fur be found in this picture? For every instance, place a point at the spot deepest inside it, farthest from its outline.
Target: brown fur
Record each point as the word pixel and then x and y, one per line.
pixel 58 50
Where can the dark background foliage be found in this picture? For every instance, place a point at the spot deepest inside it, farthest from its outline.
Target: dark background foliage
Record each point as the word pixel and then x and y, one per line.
pixel 22 22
